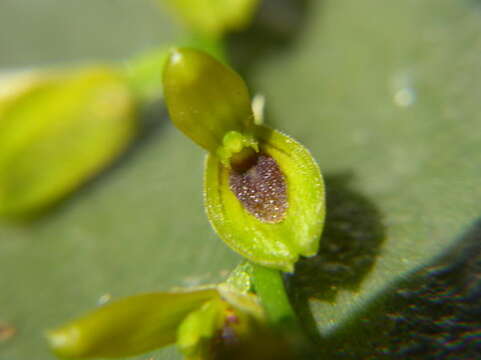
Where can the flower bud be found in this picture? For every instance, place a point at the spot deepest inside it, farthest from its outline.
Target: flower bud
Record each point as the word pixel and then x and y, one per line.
pixel 57 130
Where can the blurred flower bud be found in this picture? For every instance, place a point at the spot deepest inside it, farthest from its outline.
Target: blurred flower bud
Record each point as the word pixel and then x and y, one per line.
pixel 57 130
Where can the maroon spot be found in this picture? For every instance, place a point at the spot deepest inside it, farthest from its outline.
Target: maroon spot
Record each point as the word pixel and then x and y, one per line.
pixel 261 189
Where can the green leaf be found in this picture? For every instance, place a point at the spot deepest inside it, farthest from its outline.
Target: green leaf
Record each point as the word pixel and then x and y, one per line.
pixel 214 17
pixel 288 234
pixel 128 326
pixel 205 98
pixel 57 131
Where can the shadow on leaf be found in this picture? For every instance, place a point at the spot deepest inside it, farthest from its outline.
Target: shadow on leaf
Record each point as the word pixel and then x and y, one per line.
pixel 433 314
pixel 350 243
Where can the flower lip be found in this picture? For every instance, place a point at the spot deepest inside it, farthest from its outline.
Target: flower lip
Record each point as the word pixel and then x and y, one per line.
pixel 261 189
pixel 272 243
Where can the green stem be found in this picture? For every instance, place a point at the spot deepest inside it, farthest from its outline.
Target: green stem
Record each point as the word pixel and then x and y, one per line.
pixel 214 46
pixel 270 288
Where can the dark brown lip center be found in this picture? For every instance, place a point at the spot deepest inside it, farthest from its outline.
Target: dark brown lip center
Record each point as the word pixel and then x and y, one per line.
pixel 261 189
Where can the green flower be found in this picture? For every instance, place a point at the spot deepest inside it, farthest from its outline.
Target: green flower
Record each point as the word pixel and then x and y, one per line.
pixel 264 193
pixel 201 321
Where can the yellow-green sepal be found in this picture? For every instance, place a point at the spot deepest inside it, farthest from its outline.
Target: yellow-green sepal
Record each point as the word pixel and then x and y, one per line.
pixel 57 130
pixel 144 74
pixel 128 326
pixel 276 245
pixel 205 98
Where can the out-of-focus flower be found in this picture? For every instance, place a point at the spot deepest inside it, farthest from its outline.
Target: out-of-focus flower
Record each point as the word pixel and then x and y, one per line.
pixel 57 130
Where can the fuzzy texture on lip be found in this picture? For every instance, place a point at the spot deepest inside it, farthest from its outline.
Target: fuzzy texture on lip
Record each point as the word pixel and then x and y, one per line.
pixel 262 190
